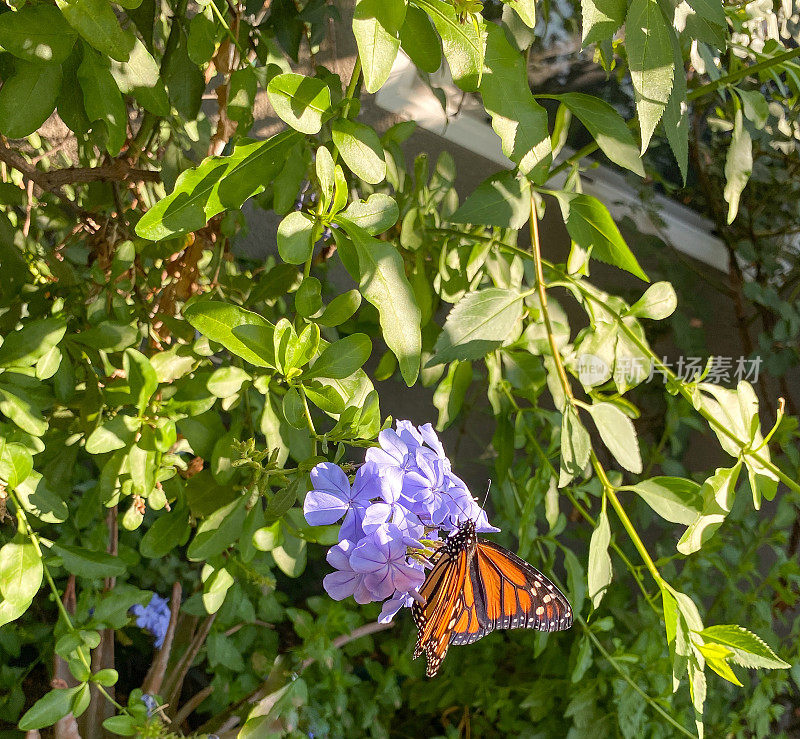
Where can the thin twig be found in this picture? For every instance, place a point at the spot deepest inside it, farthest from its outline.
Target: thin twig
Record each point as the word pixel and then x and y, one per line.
pixel 340 641
pixel 193 702
pixel 155 675
pixel 174 683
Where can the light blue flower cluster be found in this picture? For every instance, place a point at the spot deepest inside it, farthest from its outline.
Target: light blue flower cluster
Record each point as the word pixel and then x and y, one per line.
pixel 154 617
pixel 403 493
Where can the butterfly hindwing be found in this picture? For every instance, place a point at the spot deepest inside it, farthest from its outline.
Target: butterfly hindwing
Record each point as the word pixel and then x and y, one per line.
pixel 516 595
pixel 477 586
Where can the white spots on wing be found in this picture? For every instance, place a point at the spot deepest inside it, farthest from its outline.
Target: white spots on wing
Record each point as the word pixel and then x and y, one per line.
pixel 540 610
pixel 547 598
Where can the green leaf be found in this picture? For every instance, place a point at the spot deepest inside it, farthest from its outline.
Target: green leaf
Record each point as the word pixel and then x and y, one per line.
pixel 226 381
pixel 754 106
pixel 202 38
pixel 108 336
pixel 361 149
pixel 376 36
pixel 703 20
pixel 383 282
pixel 87 563
pixel 184 80
pixel 375 215
pixel 291 556
pixel 48 364
pixel 242 89
pixel 519 121
pixel 658 302
pixel 222 457
pixel 106 677
pixel 39 500
pixel 675 499
pixel 215 588
pixel 139 76
pixel 102 98
pixel 293 411
pixel 340 309
pixel 601 19
pixel 575 446
pixel 526 10
pixel 300 349
pixel 21 571
pixel 716 657
pixel 738 164
pixel 607 128
pixel 169 530
pixel 22 407
pixel 717 494
pixel 450 393
pixel 96 22
pixel 219 531
pixel 418 39
pixel 216 184
pixel 342 358
pixel 324 167
pixel 218 321
pixel 590 225
pixel 599 575
pixel 25 347
pixel 676 115
pixel 749 650
pixel 479 323
pixel 37 33
pixel 28 97
pixel 618 434
pixel 464 45
pixel 117 433
pixel 737 412
pixel 648 41
pixel 295 237
pixel 308 298
pixel 142 379
pixel 302 102
pixel 502 200
pixel 16 463
pixel 280 503
pixel 123 725
pixel 49 709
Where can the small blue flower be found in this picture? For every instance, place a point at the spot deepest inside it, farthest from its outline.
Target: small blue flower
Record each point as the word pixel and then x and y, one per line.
pixel 404 492
pixel 332 498
pixel 381 556
pixel 150 702
pixel 345 581
pixel 154 617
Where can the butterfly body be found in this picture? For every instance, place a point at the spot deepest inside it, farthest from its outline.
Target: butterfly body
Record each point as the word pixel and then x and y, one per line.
pixel 477 586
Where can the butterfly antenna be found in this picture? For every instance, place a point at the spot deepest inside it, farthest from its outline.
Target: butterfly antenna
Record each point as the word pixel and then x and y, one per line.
pixel 486 496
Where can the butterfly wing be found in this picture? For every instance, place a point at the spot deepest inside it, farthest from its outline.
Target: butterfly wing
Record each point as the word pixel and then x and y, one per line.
pixel 503 591
pixel 443 594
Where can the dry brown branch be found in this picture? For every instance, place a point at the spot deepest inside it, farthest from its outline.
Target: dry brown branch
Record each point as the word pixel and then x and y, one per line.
pixel 155 675
pixel 193 702
pixel 53 181
pixel 174 682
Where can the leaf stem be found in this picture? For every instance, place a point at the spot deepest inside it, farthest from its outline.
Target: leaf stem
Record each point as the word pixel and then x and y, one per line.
pixel 537 259
pixel 23 519
pixel 732 77
pixel 624 675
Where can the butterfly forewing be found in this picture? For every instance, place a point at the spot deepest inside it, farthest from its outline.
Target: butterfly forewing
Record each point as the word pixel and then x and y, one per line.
pixel 477 586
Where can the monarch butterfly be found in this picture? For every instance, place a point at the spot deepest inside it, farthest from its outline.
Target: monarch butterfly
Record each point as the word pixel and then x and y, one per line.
pixel 477 586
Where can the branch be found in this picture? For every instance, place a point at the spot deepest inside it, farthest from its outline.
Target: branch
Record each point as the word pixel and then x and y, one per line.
pixel 54 180
pixel 155 675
